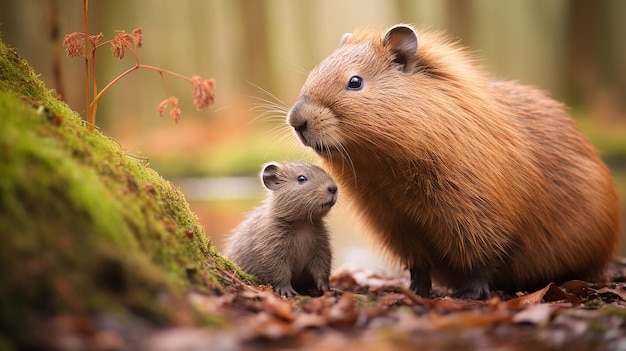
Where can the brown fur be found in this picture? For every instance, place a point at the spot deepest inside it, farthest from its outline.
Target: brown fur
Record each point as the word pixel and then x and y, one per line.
pixel 478 183
pixel 285 241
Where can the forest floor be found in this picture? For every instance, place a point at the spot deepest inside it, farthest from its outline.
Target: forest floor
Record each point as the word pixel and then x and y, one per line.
pixel 367 311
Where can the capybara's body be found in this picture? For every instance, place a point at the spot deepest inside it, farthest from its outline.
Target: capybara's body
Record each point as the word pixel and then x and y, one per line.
pixel 476 183
pixel 285 242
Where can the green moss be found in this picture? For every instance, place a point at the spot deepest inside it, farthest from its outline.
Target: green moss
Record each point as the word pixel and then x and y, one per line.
pixel 85 228
pixel 614 311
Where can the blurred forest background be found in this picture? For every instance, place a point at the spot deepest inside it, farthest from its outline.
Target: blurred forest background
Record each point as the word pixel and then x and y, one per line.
pixel 259 53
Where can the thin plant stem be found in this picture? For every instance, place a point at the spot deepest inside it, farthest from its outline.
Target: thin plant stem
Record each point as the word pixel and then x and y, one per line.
pixel 134 68
pixel 122 75
pixel 93 108
pixel 167 90
pixel 203 90
pixel 87 92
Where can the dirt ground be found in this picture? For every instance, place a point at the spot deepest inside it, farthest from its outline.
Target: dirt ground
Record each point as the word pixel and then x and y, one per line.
pixel 366 311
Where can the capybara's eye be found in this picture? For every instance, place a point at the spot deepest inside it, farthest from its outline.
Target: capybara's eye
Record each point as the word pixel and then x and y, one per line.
pixel 355 83
pixel 302 179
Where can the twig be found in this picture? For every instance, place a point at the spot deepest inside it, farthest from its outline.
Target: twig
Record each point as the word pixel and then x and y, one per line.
pixel 412 296
pixel 78 44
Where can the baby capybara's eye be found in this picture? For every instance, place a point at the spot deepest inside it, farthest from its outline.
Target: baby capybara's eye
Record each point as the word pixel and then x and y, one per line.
pixel 355 83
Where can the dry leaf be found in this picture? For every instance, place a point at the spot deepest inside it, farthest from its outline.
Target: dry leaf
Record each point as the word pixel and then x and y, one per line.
pixel 621 294
pixel 535 314
pixel 343 313
pixel 555 293
pixel 267 326
pixel 308 320
pixel 529 299
pixel 278 308
pixel 470 319
pixel 450 304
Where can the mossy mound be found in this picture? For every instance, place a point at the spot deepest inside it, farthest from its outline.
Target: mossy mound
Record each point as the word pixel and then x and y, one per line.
pixel 85 228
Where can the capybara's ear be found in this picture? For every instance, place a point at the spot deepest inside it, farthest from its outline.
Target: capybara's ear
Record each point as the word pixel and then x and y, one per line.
pixel 345 38
pixel 269 175
pixel 401 40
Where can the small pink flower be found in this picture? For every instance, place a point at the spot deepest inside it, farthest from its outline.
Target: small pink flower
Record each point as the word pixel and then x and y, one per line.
pixel 138 37
pixel 120 43
pixel 203 92
pixel 74 44
pixel 175 111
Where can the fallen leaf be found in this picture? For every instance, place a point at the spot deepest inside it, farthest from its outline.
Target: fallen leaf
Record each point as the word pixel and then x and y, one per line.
pixel 555 293
pixel 308 320
pixel 389 299
pixel 450 304
pixel 535 314
pixel 318 305
pixel 579 288
pixel 277 307
pixel 343 313
pixel 619 293
pixel 552 292
pixel 176 339
pixel 470 319
pixel 270 327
